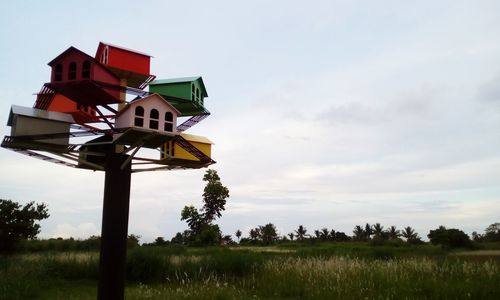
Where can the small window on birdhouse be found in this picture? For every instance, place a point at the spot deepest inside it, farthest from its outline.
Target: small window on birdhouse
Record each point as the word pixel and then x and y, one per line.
pixel 58 72
pixel 104 56
pixel 169 122
pixel 139 116
pixel 198 95
pixel 86 69
pixel 72 71
pixel 154 115
pixel 168 149
pixel 193 95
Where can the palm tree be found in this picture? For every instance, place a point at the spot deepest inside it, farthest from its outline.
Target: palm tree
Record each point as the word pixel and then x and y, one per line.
pixel 317 233
pixel 409 234
pixel 393 233
pixel 324 233
pixel 300 232
pixel 291 236
pixel 378 230
pixel 238 235
pixel 359 233
pixel 333 235
pixel 368 231
pixel 254 234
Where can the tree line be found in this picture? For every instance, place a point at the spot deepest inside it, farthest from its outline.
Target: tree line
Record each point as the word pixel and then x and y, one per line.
pixel 19 223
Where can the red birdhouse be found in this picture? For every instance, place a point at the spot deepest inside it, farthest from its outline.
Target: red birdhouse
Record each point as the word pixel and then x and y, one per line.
pixel 126 64
pixel 79 77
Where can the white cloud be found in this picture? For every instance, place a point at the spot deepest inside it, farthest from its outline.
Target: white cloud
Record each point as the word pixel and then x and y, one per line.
pixel 330 114
pixel 79 231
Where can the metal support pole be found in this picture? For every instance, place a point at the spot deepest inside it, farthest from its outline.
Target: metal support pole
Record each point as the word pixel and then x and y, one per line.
pixel 114 227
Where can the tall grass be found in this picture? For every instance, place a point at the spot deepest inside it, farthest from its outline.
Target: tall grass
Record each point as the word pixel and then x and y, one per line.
pixel 322 272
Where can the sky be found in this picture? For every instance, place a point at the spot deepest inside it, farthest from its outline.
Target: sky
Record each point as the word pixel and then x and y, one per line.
pixel 324 113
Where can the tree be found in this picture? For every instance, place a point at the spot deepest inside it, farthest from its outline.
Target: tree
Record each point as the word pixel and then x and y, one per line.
pixel 341 237
pixel 300 233
pixel 449 238
pixel 291 236
pixel 254 234
pixel 133 240
pixel 492 232
pixel 332 235
pixel 19 222
pixel 160 241
pixel 378 230
pixel 438 235
pixel 268 233
pixel 227 240
pixel 214 196
pixel 177 239
pixel 201 229
pixel 410 235
pixel 368 231
pixel 238 234
pixel 359 233
pixel 393 233
pixel 325 233
pixel 476 237
pixel 194 219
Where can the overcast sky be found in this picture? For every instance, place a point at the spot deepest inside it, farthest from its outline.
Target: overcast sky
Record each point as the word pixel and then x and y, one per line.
pixel 324 113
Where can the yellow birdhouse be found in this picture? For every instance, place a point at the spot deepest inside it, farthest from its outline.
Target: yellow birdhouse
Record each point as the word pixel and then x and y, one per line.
pixel 177 150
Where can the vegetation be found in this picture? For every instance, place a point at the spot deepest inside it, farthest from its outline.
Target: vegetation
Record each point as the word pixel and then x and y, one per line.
pixel 202 231
pixel 19 222
pixel 451 238
pixel 376 262
pixel 330 270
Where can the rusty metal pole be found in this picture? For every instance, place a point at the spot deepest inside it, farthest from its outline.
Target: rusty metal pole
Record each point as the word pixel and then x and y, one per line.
pixel 114 227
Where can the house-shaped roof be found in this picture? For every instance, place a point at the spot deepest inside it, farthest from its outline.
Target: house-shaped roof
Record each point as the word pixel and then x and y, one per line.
pixel 137 101
pixel 181 80
pixel 39 114
pixel 70 49
pixel 102 44
pixel 90 58
pixel 196 138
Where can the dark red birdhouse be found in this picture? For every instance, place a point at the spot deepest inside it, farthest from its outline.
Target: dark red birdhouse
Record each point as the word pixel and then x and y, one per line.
pixel 81 78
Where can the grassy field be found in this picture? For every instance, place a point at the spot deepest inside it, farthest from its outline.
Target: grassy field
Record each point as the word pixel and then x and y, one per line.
pixel 322 271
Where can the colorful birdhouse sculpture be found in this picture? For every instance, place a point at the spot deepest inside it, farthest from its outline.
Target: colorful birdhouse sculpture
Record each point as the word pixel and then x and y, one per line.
pixel 85 89
pixel 79 77
pixel 27 121
pixel 186 94
pixel 150 113
pixel 172 149
pixel 131 66
pixel 61 103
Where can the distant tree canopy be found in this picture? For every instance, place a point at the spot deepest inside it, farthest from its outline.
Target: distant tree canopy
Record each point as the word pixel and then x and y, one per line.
pixel 266 234
pixel 492 232
pixel 200 221
pixel 450 238
pixel 18 222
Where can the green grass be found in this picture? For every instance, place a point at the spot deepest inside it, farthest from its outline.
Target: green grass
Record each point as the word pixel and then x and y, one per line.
pixel 300 271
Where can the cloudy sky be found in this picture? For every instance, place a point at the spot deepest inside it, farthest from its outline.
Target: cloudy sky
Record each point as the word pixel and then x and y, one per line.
pixel 324 113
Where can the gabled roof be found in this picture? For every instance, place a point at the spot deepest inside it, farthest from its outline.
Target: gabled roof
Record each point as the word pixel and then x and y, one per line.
pixel 70 49
pixel 73 49
pixel 196 138
pixel 181 80
pixel 137 101
pixel 39 114
pixel 101 44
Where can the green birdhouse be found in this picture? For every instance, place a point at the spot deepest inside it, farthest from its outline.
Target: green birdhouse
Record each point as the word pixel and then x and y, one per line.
pixel 185 94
